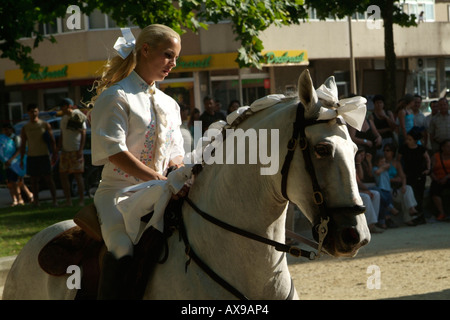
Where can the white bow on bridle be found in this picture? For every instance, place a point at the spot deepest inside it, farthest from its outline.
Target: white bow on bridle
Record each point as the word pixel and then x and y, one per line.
pixel 125 45
pixel 352 110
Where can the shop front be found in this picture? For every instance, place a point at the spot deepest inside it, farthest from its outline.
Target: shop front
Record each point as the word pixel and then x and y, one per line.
pixel 195 76
pixel 219 76
pixel 47 87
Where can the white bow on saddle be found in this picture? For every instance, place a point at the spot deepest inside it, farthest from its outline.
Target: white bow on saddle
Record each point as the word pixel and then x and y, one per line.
pixel 352 110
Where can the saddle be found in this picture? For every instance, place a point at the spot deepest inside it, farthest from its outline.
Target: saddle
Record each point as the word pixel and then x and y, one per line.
pixel 83 246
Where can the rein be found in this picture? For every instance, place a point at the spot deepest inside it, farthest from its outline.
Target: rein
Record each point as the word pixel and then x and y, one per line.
pixel 192 255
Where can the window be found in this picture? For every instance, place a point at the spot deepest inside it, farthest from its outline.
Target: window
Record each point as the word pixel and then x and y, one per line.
pixel 416 7
pixel 49 27
pixel 425 81
pixel 97 20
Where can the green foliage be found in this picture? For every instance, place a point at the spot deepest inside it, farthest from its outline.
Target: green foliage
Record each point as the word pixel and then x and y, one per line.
pixel 344 8
pixel 18 224
pixel 248 19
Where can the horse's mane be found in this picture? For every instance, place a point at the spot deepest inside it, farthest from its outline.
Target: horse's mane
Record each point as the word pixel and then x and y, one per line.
pixel 237 117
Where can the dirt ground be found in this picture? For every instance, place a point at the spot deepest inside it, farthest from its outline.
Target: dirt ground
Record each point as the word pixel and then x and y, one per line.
pixel 403 263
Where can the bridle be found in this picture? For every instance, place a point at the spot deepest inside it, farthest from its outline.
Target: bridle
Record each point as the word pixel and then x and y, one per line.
pixel 298 139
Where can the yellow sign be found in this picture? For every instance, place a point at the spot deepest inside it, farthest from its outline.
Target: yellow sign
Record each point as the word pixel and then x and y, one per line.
pixel 191 63
pixel 284 58
pixel 206 62
pixel 72 71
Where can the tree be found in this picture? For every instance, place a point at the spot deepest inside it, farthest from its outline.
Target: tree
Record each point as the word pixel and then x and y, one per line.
pixel 391 13
pixel 21 18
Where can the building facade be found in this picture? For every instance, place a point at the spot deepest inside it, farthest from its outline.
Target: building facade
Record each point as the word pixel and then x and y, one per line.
pixel 207 64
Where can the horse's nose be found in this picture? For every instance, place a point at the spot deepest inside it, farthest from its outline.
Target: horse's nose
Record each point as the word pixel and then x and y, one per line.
pixel 350 236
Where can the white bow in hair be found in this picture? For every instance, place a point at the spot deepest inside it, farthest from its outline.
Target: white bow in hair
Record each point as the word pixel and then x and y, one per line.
pixel 352 110
pixel 125 45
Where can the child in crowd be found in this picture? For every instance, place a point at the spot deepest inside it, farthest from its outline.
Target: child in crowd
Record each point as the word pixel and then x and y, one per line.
pixel 382 180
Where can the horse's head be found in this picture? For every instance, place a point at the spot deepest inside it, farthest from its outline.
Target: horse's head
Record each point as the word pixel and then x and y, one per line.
pixel 328 145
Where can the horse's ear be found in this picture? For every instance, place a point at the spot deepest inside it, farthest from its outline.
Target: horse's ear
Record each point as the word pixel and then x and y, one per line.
pixel 330 83
pixel 306 91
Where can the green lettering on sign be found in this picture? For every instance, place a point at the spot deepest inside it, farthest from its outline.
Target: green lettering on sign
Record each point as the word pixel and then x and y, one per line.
pixel 45 74
pixel 194 64
pixel 271 58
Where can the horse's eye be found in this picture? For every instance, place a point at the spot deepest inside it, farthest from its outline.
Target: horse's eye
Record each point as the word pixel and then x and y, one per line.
pixel 323 149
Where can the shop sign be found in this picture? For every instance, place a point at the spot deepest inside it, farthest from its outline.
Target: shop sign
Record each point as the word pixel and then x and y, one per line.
pixel 63 72
pixel 46 74
pixel 204 62
pixel 296 57
pixel 194 64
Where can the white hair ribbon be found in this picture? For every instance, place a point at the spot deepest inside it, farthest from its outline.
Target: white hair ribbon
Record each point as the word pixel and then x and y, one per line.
pixel 352 110
pixel 125 45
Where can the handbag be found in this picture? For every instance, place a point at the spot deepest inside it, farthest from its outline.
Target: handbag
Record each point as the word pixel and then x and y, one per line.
pixel 76 120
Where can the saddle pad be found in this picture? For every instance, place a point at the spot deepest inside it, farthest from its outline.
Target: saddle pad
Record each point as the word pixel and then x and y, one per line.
pixel 64 250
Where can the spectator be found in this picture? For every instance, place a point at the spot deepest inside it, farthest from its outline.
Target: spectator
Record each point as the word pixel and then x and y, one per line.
pixel 36 135
pixel 369 196
pixel 405 117
pixel 218 107
pixel 14 180
pixel 368 137
pixel 71 143
pixel 440 177
pixel 420 121
pixel 195 116
pixel 384 121
pixel 401 192
pixel 416 165
pixel 233 106
pixel 381 175
pixel 187 137
pixel 210 115
pixel 367 168
pixel 439 126
pixel 434 106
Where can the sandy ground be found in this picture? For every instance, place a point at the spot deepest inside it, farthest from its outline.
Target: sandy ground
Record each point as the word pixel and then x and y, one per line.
pixel 403 263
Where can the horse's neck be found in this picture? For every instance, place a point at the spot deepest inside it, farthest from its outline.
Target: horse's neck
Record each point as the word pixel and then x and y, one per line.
pixel 247 204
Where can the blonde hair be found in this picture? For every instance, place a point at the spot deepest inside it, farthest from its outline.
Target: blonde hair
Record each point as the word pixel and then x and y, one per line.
pixel 117 68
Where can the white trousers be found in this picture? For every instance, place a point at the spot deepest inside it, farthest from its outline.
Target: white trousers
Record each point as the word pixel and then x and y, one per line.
pixel 372 206
pixel 406 201
pixel 112 225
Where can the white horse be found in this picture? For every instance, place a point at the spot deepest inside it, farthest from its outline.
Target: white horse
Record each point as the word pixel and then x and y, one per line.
pixel 240 196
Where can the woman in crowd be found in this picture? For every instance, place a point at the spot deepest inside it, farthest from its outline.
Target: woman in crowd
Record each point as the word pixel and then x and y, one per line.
pixel 440 175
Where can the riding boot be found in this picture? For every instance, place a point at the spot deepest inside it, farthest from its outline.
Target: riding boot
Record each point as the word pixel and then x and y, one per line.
pixel 113 278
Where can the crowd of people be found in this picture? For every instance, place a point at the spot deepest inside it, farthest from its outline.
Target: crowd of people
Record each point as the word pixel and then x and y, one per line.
pixel 36 151
pixel 397 151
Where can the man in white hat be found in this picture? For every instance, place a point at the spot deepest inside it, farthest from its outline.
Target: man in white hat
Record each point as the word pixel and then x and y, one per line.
pixel 71 144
